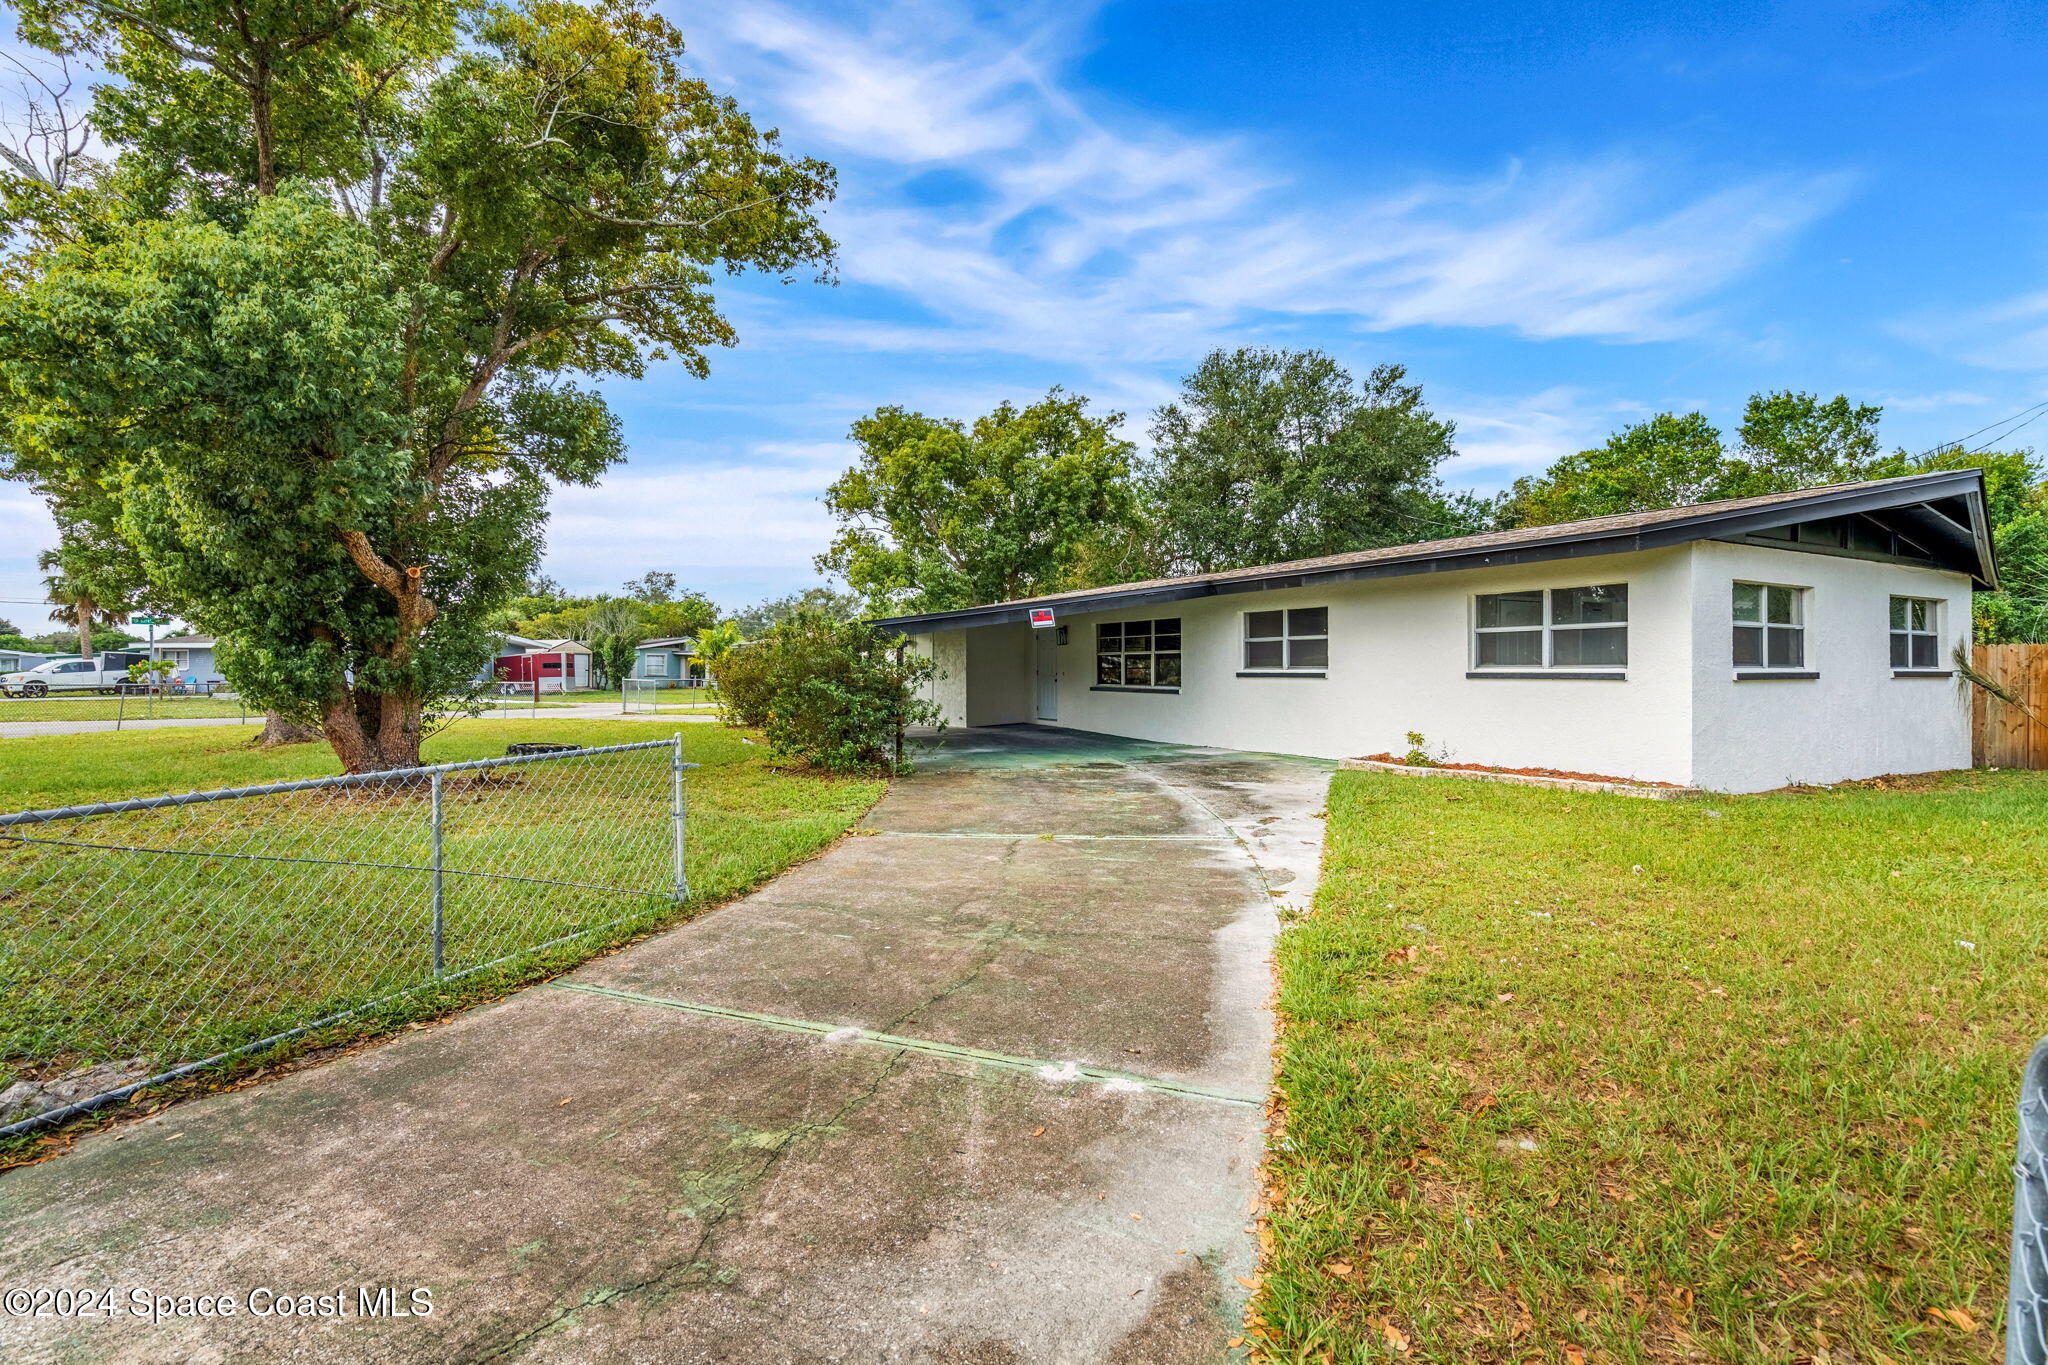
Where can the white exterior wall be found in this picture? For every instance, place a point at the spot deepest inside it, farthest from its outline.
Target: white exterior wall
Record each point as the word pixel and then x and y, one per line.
pixel 1399 652
pixel 1855 720
pixel 948 649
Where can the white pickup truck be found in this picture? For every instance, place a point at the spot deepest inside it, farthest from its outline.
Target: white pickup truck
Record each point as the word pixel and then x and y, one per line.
pixel 106 673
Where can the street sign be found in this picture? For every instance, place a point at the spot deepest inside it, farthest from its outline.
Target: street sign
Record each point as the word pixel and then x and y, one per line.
pixel 149 620
pixel 1041 617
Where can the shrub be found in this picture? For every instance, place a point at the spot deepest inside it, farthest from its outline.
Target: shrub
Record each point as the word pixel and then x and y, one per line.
pixel 837 694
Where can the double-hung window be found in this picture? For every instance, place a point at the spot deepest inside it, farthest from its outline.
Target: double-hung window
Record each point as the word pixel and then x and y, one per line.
pixel 1138 653
pixel 653 666
pixel 1540 628
pixel 1770 626
pixel 1916 634
pixel 1287 641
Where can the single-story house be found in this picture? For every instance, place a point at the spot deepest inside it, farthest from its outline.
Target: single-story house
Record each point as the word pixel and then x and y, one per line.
pixel 1735 646
pixel 557 665
pixel 191 658
pixel 669 662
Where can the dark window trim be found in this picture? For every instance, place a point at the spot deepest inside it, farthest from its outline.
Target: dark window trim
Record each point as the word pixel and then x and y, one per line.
pixel 1549 674
pixel 1108 687
pixel 1284 673
pixel 1775 675
pixel 1923 673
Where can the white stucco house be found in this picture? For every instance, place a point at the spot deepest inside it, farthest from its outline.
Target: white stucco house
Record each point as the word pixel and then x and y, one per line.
pixel 1735 646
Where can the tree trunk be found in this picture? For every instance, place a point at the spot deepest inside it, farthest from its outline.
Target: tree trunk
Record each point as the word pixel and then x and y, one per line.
pixel 277 730
pixel 85 608
pixel 374 734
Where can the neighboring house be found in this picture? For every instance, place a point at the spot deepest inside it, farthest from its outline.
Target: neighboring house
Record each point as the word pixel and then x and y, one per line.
pixel 557 665
pixel 670 662
pixel 1736 646
pixel 20 661
pixel 191 658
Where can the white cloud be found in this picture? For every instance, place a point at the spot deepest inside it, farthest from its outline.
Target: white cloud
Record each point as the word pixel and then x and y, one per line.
pixel 25 527
pixel 731 529
pixel 1501 438
pixel 1090 240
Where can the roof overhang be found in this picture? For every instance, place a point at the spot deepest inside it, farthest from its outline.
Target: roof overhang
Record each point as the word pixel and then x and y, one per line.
pixel 1964 547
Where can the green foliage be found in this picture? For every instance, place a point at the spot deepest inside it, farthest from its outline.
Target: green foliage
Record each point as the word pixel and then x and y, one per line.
pixel 1787 441
pixel 835 694
pixel 306 352
pixel 716 643
pixel 613 657
pixel 759 619
pixel 581 618
pixel 1273 455
pixel 940 514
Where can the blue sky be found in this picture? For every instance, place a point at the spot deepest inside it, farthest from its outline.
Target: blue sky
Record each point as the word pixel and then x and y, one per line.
pixel 1559 221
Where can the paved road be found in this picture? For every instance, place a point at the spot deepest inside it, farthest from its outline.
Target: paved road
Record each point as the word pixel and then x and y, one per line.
pixel 1030 1135
pixel 29 729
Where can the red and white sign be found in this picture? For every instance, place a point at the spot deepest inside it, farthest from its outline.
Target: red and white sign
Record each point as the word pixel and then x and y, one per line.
pixel 1041 617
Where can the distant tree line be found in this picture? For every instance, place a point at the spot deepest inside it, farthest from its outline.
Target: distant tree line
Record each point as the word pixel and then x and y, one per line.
pixel 1268 456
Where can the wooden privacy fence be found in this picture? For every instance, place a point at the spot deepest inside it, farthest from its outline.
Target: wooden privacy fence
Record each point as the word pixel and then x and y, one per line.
pixel 2008 736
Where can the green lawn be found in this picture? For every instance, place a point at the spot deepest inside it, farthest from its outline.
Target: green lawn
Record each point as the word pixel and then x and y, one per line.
pixel 1586 1078
pixel 176 955
pixel 699 699
pixel 109 708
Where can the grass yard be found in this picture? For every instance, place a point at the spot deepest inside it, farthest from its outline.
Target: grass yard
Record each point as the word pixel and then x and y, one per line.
pixel 1582 1078
pixel 173 956
pixel 702 699
pixel 111 708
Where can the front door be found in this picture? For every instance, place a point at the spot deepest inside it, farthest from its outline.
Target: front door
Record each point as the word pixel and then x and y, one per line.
pixel 1048 674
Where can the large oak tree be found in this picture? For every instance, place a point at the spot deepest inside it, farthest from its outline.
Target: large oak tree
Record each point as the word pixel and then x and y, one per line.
pixel 320 332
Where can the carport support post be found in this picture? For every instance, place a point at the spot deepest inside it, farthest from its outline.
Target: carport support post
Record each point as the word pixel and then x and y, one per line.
pixel 440 896
pixel 675 812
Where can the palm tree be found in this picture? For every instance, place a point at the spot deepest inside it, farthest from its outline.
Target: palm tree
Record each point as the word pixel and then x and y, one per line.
pixel 76 604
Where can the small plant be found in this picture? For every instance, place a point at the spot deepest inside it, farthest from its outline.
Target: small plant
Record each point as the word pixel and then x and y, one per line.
pixel 151 674
pixel 1417 756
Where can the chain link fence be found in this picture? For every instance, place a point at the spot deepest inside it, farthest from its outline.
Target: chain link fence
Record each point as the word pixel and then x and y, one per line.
pixel 202 702
pixel 146 939
pixel 2026 1313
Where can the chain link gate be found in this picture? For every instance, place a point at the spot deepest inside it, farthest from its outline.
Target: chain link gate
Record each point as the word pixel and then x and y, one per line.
pixel 147 939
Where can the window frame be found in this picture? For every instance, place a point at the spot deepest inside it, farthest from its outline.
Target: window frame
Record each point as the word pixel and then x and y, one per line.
pixel 1286 639
pixel 1932 634
pixel 653 665
pixel 1151 653
pixel 1799 625
pixel 1546 628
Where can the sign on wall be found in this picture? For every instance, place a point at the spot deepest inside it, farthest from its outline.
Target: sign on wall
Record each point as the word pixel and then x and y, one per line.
pixel 1041 618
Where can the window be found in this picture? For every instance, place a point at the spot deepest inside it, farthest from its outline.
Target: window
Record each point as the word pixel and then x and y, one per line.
pixel 1572 628
pixel 1770 626
pixel 1916 634
pixel 82 666
pixel 653 666
pixel 1138 653
pixel 1278 641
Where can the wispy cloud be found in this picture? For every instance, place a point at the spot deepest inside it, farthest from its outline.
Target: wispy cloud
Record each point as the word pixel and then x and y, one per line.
pixel 1086 237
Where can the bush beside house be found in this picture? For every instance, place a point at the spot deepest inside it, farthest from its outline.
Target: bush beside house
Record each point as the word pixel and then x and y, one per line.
pixel 837 694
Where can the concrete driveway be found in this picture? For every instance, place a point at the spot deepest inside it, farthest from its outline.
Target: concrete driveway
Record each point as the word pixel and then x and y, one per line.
pixel 981 1084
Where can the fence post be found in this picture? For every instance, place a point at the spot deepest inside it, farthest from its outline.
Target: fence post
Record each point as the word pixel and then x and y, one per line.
pixel 2026 1310
pixel 675 808
pixel 440 899
pixel 120 709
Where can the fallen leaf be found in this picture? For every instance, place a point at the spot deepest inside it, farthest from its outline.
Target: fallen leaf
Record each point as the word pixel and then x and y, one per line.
pixel 1574 1355
pixel 1250 1284
pixel 1396 1338
pixel 1338 1267
pixel 1039 1131
pixel 565 1102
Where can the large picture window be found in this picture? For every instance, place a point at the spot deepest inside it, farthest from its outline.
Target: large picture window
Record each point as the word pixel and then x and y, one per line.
pixel 1138 653
pixel 1770 626
pixel 1567 628
pixel 1287 641
pixel 1916 634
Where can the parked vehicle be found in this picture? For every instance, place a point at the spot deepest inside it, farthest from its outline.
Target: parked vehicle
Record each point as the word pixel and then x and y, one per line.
pixel 105 674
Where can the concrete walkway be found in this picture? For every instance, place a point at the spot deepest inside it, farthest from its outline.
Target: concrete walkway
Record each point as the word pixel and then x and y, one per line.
pixel 700 1150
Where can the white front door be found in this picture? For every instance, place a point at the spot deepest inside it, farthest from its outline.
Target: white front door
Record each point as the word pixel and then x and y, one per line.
pixel 1048 674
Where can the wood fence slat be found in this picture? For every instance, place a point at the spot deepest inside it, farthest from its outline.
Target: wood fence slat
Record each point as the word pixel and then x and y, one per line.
pixel 2008 736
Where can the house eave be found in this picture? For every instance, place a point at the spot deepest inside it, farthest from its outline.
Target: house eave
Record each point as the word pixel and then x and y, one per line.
pixel 1705 525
